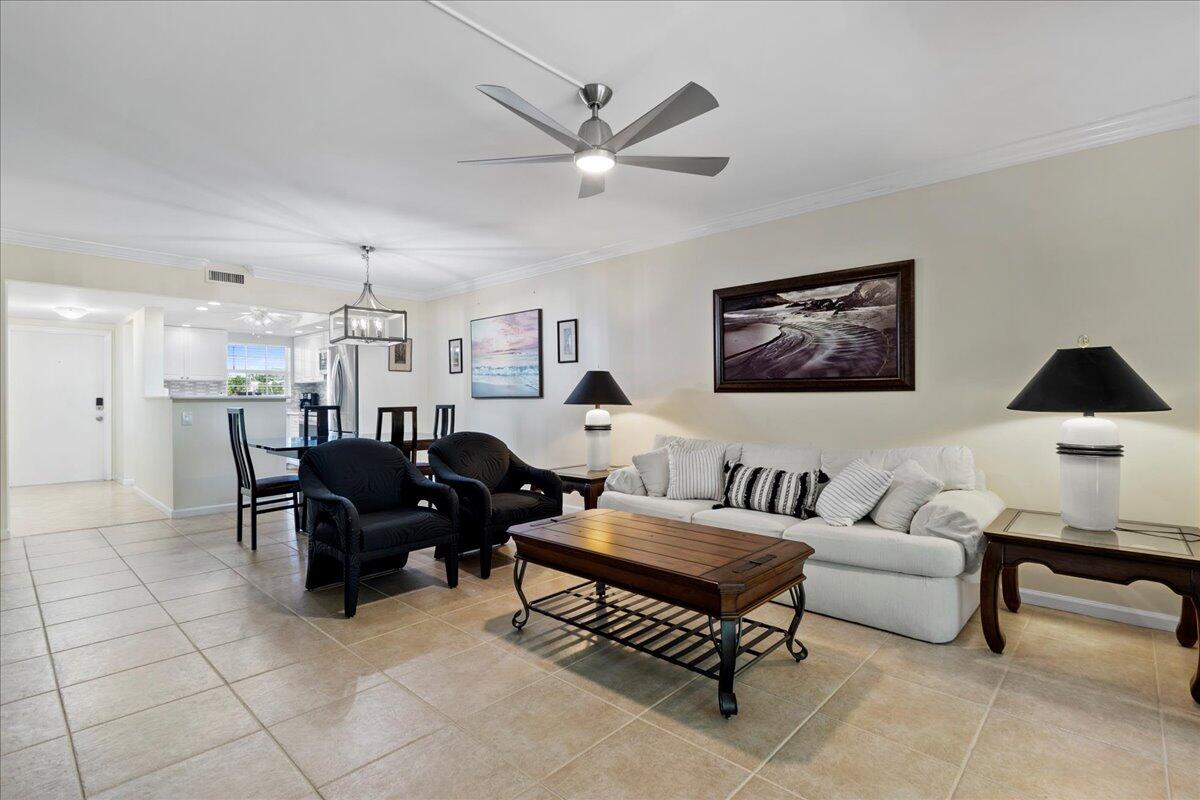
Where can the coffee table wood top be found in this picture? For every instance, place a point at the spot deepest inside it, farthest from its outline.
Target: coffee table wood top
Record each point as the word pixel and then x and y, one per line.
pixel 717 571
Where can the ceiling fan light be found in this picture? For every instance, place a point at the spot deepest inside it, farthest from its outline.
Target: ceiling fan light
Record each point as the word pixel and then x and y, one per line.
pixel 594 161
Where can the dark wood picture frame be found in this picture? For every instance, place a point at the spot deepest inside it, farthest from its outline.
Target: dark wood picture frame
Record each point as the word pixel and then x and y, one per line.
pixel 400 366
pixel 541 361
pixel 450 356
pixel 905 378
pixel 574 323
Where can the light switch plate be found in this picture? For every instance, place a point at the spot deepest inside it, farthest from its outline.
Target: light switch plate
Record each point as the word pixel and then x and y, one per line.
pixel 185 418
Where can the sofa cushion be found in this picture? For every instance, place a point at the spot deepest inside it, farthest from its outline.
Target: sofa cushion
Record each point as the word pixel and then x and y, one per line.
pixel 865 544
pixel 911 488
pixel 697 473
pixel 953 466
pixel 745 519
pixel 625 479
pixel 733 450
pixel 654 472
pixel 681 510
pixel 781 456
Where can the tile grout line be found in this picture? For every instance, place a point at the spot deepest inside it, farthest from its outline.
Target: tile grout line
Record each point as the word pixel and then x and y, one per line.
pixel 1162 722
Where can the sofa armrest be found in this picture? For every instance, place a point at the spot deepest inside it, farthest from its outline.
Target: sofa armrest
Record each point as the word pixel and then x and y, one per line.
pixel 625 480
pixel 959 515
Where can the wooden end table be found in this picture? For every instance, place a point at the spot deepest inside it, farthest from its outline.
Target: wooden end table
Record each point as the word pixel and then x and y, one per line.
pixel 1134 551
pixel 589 483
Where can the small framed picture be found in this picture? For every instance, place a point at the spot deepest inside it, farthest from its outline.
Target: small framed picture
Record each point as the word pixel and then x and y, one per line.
pixel 400 356
pixel 455 356
pixel 568 341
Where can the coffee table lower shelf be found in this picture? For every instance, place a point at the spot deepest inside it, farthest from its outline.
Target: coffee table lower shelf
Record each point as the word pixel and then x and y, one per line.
pixel 716 648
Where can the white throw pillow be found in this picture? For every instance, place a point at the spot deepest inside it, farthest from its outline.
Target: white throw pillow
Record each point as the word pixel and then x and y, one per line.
pixel 654 470
pixel 696 473
pixel 852 493
pixel 911 488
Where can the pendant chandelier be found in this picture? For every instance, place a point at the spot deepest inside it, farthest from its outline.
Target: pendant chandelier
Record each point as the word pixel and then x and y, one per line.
pixel 366 320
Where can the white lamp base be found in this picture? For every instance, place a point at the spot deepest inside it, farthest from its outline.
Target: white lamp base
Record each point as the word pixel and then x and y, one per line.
pixel 1089 473
pixel 597 428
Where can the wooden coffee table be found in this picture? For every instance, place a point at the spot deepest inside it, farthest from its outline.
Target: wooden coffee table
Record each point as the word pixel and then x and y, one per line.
pixel 663 587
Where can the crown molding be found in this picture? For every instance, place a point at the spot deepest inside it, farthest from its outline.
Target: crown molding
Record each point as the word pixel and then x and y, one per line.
pixel 1145 122
pixel 62 244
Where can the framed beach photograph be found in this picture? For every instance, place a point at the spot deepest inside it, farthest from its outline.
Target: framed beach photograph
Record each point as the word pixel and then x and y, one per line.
pixel 455 356
pixel 845 331
pixel 568 341
pixel 400 356
pixel 506 355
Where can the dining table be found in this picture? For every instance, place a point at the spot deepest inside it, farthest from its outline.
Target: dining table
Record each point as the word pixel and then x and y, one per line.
pixel 297 446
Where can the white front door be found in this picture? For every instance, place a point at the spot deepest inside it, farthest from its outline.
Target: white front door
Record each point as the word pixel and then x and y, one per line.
pixel 56 433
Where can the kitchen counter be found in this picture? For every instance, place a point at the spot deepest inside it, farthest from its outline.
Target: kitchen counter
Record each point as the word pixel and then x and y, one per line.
pixel 229 398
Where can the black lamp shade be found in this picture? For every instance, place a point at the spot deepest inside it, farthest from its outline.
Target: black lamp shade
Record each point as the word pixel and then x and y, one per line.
pixel 1087 379
pixel 597 388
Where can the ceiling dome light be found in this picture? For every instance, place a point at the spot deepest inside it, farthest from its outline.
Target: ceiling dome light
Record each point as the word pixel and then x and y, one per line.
pixel 70 312
pixel 202 308
pixel 594 161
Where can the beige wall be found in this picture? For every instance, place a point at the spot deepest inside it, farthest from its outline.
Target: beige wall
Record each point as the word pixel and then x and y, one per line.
pixel 1010 265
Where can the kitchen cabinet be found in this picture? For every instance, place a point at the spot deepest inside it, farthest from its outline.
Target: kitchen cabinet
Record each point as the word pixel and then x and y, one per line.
pixel 194 354
pixel 306 357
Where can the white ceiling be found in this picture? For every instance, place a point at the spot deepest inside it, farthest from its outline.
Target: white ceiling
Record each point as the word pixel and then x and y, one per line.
pixel 281 135
pixel 27 300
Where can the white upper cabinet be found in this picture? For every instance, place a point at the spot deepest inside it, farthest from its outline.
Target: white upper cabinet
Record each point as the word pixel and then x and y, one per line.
pixel 306 357
pixel 194 354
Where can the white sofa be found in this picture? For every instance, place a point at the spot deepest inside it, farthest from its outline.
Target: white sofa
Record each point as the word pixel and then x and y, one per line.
pixel 923 584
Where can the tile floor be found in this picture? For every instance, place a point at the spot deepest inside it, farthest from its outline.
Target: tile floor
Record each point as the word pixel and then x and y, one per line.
pixel 73 506
pixel 163 660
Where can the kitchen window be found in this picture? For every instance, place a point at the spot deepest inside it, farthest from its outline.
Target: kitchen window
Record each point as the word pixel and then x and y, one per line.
pixel 256 369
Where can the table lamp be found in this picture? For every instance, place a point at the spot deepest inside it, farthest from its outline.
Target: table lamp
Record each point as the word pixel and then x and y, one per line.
pixel 595 389
pixel 1088 379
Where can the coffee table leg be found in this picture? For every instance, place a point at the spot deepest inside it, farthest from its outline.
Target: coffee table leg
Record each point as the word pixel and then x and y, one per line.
pixel 522 615
pixel 1186 633
pixel 730 634
pixel 989 596
pixel 797 593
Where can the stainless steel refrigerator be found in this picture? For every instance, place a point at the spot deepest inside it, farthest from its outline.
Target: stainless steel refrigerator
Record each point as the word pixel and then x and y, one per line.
pixel 341 383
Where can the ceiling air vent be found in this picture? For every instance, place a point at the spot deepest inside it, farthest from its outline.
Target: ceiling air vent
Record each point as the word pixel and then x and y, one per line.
pixel 224 275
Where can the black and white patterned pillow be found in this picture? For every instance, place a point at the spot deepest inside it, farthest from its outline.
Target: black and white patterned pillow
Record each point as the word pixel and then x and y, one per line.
pixel 774 491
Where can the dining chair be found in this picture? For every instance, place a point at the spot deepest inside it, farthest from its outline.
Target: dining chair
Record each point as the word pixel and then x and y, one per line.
pixel 264 495
pixel 396 434
pixel 321 415
pixel 443 420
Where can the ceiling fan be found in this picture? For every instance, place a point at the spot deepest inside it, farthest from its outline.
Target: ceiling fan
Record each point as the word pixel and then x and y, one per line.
pixel 595 149
pixel 259 319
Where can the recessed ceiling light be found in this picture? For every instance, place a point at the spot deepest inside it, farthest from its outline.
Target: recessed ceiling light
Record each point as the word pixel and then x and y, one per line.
pixel 70 312
pixel 269 332
pixel 186 325
pixel 214 302
pixel 202 308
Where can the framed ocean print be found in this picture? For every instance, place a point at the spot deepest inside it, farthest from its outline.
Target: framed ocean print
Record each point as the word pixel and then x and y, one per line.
pixel 568 341
pixel 455 356
pixel 400 356
pixel 506 355
pixel 850 330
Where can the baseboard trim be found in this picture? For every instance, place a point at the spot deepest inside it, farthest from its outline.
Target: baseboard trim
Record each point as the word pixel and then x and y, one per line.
pixel 199 511
pixel 152 500
pixel 1094 608
pixel 124 481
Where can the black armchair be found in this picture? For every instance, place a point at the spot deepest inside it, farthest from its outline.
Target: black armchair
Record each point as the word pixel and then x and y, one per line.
pixel 489 478
pixel 362 500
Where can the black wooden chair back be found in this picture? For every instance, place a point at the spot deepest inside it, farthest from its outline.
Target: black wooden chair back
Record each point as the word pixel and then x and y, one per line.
pixel 242 462
pixel 443 423
pixel 396 432
pixel 321 413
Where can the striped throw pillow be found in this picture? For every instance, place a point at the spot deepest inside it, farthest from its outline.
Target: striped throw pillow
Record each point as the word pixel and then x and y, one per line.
pixel 695 472
pixel 852 493
pixel 774 491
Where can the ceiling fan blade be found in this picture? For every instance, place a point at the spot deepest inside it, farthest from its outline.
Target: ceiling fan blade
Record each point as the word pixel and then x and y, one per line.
pixel 552 159
pixel 526 111
pixel 695 165
pixel 689 102
pixel 591 185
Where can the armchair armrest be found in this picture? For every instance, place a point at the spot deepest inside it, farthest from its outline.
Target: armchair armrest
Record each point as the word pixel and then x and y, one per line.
pixel 440 496
pixel 338 508
pixel 474 492
pixel 545 480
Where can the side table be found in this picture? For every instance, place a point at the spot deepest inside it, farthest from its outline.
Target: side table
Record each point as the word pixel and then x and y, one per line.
pixel 589 483
pixel 1166 554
